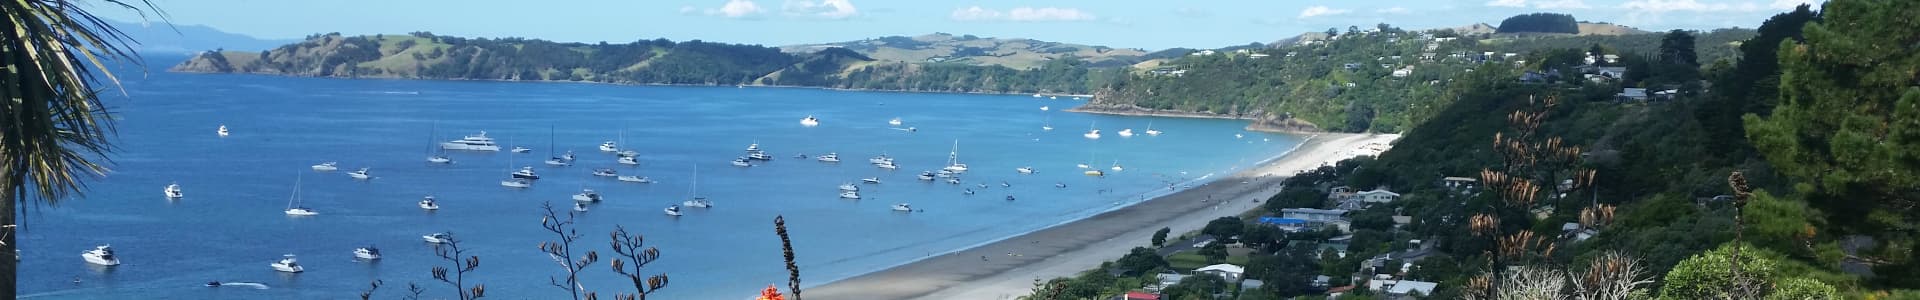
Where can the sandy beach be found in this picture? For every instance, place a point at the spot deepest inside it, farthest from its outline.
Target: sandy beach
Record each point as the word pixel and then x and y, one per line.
pixel 1008 268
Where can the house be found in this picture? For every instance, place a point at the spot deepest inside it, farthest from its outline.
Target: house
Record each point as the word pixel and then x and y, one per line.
pixel 1203 53
pixel 1402 289
pixel 1611 59
pixel 1229 272
pixel 1322 281
pixel 1138 295
pixel 1313 214
pixel 1612 72
pixel 1429 56
pixel 1632 94
pixel 1539 77
pixel 1340 192
pixel 1286 224
pixel 1377 196
pixel 1335 292
pixel 1351 66
pixel 1251 284
pixel 1459 182
pixel 1166 279
pixel 1337 249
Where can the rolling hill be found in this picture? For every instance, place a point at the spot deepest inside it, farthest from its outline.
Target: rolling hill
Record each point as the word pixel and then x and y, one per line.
pixel 978 51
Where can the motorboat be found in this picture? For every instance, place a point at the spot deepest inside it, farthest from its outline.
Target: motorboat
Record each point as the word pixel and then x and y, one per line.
pixel 605 172
pixel 980 185
pixel 288 264
pixel 587 195
pixel 829 157
pixel 579 207
pixel 516 183
pixel 894 122
pixel 367 253
pixel 1005 184
pixel 953 160
pixel 326 166
pixel 627 153
pixel 1044 108
pixel 902 207
pixel 360 174
pixel 1092 134
pixel 1060 185
pixel 870 180
pixel 429 204
pixel 800 156
pixel 568 156
pixel 627 160
pixel 223 130
pixel 888 165
pixel 609 146
pixel 849 195
pixel 101 255
pixel 882 159
pixel 955 180
pixel 967 192
pixel 525 173
pixel 926 175
pixel 1126 132
pixel 1237 136
pixel 753 147
pixel 1024 170
pixel 758 155
pixel 476 142
pixel 697 202
pixel 849 187
pixel 438 237
pixel 439 159
pixel 673 210
pixel 810 121
pixel 293 202
pixel 1046 127
pixel 173 191
pixel 742 162
pixel 943 174
pixel 1116 167
pixel 634 179
pixel 1083 166
pixel 1036 95
pixel 522 150
pixel 1094 172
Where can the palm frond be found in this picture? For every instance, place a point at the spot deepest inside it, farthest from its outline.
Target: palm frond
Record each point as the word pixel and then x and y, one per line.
pixel 53 128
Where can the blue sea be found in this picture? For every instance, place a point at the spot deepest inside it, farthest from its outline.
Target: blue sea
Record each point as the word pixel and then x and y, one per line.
pixel 229 227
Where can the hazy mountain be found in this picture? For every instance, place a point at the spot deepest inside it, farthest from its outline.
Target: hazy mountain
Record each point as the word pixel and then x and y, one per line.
pixel 159 38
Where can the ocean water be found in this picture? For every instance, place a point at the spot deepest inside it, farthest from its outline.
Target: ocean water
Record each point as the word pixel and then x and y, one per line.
pixel 230 226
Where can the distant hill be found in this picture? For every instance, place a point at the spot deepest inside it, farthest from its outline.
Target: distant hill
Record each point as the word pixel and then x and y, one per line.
pixel 978 51
pixel 1587 28
pixel 159 38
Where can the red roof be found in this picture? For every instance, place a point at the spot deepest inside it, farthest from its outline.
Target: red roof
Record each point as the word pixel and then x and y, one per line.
pixel 1142 296
pixel 1342 289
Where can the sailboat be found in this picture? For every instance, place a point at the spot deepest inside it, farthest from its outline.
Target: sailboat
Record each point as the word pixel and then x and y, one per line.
pixel 1093 132
pixel 1092 171
pixel 1116 166
pixel 1150 130
pixel 693 195
pixel 1126 132
pixel 894 122
pixel 293 202
pixel 1047 125
pixel 556 160
pixel 810 121
pixel 434 153
pixel 953 159
pixel 514 181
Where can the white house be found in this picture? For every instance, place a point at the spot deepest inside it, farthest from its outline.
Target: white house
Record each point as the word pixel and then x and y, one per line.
pixel 1403 72
pixel 1229 272
pixel 1313 214
pixel 1377 196
pixel 1458 182
pixel 1402 289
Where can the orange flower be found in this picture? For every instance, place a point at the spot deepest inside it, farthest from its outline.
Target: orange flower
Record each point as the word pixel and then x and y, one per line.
pixel 771 293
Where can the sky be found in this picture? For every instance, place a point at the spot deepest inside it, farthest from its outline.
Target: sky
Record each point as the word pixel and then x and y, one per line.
pixel 1151 25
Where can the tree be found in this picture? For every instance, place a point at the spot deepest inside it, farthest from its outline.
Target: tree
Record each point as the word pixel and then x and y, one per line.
pixel 1224 227
pixel 1678 61
pixel 561 251
pixel 1160 236
pixel 1540 22
pixel 449 250
pixel 1215 252
pixel 1848 121
pixel 633 248
pixel 1140 260
pixel 1709 275
pixel 55 128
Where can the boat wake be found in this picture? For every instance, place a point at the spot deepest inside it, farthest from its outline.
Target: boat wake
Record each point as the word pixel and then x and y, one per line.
pixel 254 285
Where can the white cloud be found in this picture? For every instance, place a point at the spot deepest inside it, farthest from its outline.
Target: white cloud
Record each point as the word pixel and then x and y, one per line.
pixel 1320 10
pixel 1508 3
pixel 735 9
pixel 1394 10
pixel 1790 4
pixel 1022 14
pixel 826 9
pixel 1562 4
pixel 1662 6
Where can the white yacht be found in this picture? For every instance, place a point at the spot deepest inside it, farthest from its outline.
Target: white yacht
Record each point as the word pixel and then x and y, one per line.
pixel 173 191
pixel 903 207
pixel 927 175
pixel 870 180
pixel 697 202
pixel 627 160
pixel 888 165
pixel 580 207
pixel 1126 132
pixel 438 237
pixel 741 162
pixel 1044 108
pixel 882 159
pixel 759 155
pixel 673 210
pixel 516 183
pixel 326 166
pixel 1024 170
pixel 525 173
pixel 849 187
pixel 293 202
pixel 587 195
pixel 894 122
pixel 288 264
pixel 953 160
pixel 429 204
pixel 609 146
pixel 101 255
pixel 829 157
pixel 476 142
pixel 810 121
pixel 1236 135
pixel 517 149
pixel 634 179
pixel 367 253
pixel 223 130
pixel 849 195
pixel 568 156
pixel 605 172
pixel 360 174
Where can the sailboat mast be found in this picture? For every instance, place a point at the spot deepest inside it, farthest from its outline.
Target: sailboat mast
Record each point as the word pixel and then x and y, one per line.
pixel 295 197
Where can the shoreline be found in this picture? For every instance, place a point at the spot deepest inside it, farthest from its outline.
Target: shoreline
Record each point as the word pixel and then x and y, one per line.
pixel 1007 268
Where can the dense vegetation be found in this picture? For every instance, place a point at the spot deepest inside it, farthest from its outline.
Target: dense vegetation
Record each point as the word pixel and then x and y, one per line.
pixel 1809 196
pixel 427 56
pixel 1540 22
